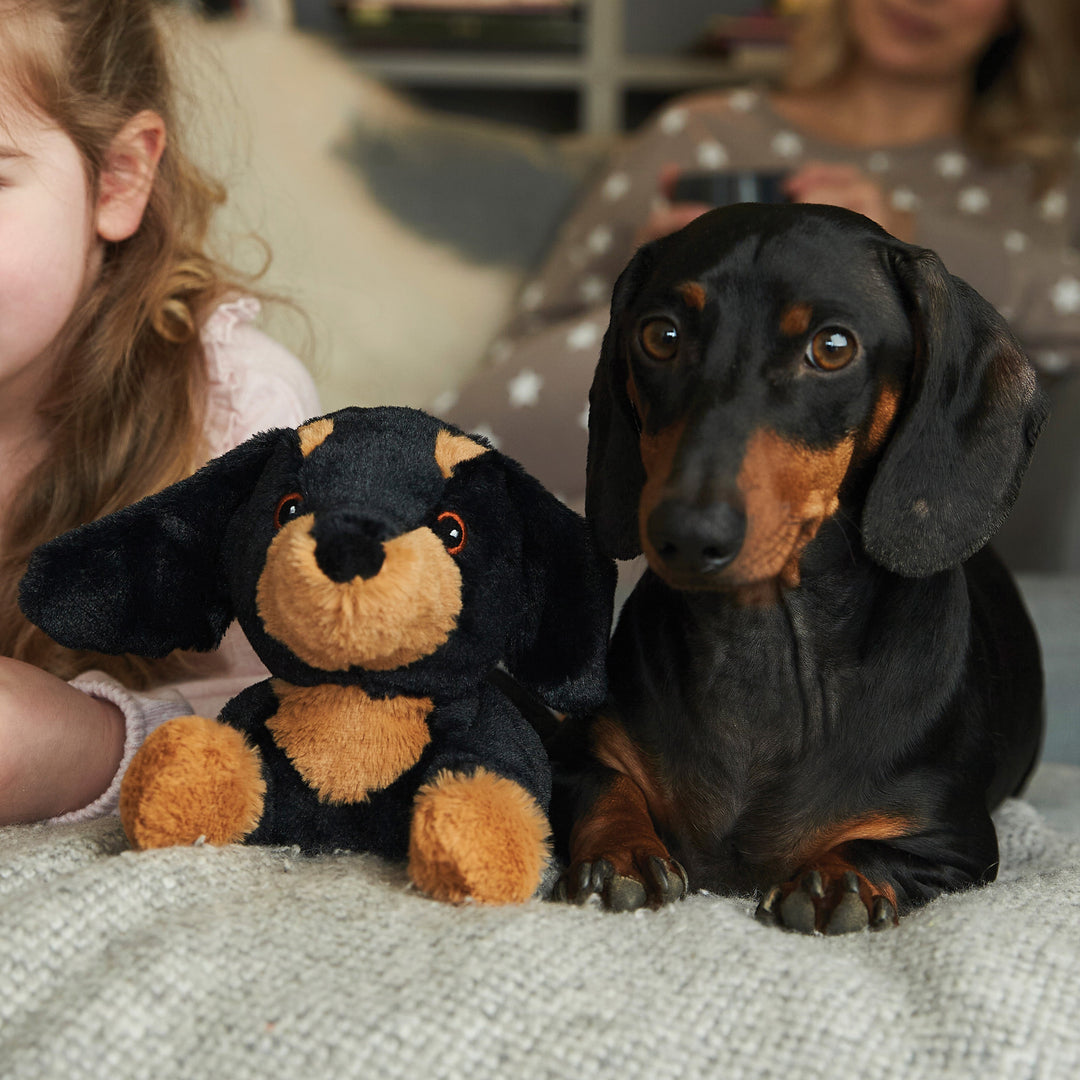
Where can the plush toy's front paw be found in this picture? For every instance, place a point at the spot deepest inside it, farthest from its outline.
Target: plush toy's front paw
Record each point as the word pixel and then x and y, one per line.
pixel 192 777
pixel 477 836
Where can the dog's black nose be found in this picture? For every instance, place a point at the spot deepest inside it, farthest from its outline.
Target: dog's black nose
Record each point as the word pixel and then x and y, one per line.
pixel 696 540
pixel 348 545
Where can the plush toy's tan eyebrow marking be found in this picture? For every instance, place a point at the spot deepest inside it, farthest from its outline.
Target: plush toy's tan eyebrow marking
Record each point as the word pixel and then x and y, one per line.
pixel 693 294
pixel 796 320
pixel 314 434
pixel 452 450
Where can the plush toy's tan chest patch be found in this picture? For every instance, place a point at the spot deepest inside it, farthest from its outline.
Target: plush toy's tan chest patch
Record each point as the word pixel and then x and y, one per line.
pixel 344 743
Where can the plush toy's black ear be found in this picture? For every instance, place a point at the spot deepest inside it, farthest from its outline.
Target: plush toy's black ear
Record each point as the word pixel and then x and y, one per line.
pixel 146 579
pixel 560 649
pixel 953 467
pixel 614 473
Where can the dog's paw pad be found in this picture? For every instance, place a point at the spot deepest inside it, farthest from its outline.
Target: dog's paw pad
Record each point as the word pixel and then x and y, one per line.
pixel 850 914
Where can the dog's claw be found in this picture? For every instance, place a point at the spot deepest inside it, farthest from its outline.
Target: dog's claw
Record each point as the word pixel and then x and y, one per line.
pixel 766 910
pixel 884 915
pixel 669 878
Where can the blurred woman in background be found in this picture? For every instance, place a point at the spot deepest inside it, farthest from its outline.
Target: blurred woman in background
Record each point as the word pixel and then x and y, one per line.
pixel 952 123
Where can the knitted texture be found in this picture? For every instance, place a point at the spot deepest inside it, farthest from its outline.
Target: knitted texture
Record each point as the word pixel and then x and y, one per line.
pixel 259 963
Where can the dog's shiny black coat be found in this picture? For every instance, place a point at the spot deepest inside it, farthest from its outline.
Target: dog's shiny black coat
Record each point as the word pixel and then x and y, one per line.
pixel 832 706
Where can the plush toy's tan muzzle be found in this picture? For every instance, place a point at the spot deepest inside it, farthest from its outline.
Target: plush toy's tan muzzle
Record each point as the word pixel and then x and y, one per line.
pixel 399 615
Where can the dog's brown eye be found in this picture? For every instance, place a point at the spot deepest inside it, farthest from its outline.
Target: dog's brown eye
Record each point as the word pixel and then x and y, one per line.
pixel 660 339
pixel 288 509
pixel 450 529
pixel 832 349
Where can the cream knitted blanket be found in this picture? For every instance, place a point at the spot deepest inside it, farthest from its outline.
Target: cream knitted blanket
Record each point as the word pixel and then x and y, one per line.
pixel 260 963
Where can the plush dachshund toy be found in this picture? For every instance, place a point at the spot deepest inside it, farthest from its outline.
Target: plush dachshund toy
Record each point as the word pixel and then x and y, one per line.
pixel 381 563
pixel 822 684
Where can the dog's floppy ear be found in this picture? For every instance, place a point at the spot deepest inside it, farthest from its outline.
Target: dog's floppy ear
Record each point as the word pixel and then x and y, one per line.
pixel 146 579
pixel 953 467
pixel 614 473
pixel 560 647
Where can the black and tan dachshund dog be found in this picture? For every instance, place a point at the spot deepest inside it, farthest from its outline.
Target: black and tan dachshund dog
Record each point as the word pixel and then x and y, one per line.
pixel 823 683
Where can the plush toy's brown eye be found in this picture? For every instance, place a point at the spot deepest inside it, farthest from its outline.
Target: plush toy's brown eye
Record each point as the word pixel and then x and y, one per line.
pixel 450 529
pixel 660 339
pixel 832 348
pixel 288 509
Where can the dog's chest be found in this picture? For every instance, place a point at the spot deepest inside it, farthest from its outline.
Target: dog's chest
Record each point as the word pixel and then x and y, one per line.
pixel 344 743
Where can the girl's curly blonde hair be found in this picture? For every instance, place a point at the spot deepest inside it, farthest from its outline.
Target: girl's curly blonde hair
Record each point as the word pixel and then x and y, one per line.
pixel 124 415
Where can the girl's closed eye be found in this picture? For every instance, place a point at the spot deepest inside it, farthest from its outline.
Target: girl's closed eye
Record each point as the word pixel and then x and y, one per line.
pixel 10 160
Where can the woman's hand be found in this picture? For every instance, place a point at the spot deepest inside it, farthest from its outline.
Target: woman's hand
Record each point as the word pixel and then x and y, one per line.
pixel 817 182
pixel 668 216
pixel 59 748
pixel 848 186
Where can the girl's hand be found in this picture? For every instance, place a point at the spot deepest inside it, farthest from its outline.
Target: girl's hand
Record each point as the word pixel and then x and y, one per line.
pixel 668 217
pixel 848 186
pixel 59 747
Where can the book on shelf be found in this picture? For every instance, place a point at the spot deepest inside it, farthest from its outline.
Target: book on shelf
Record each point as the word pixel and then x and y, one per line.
pixel 522 25
pixel 758 33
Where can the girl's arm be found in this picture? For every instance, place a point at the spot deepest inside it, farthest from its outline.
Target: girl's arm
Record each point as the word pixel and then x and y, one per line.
pixel 59 747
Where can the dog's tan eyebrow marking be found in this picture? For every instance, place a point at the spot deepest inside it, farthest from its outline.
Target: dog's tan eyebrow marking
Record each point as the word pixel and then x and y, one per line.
pixel 452 450
pixel 693 294
pixel 313 435
pixel 796 320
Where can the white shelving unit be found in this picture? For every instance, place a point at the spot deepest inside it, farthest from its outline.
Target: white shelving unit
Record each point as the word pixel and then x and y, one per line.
pixel 602 73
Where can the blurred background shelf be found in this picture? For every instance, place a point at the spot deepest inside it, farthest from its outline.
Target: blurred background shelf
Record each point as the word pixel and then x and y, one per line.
pixel 599 68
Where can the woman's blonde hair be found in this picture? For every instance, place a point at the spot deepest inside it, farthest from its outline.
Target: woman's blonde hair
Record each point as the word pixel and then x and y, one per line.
pixel 1026 101
pixel 124 415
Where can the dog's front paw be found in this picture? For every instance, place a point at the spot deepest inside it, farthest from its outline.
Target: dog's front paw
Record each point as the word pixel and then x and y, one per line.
pixel 829 902
pixel 625 881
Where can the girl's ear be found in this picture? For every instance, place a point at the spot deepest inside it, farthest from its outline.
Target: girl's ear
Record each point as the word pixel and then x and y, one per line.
pixel 128 176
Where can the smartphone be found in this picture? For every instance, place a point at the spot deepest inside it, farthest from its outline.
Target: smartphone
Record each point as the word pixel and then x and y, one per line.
pixel 724 188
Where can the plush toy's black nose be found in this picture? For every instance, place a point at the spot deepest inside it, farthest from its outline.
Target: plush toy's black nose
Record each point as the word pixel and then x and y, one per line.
pixel 696 540
pixel 348 545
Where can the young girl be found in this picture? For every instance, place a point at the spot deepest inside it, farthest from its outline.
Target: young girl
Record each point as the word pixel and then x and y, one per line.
pixel 127 358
